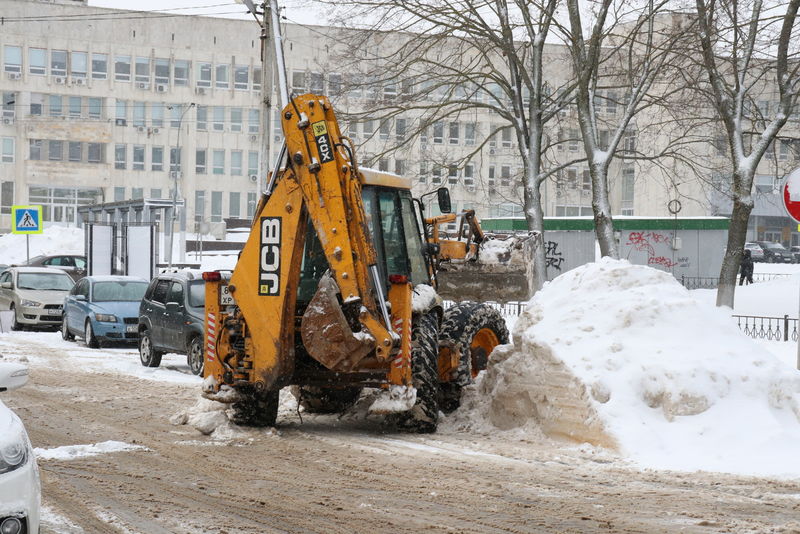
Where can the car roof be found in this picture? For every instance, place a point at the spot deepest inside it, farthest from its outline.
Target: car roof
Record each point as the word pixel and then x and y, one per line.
pixel 115 278
pixel 47 270
pixel 182 274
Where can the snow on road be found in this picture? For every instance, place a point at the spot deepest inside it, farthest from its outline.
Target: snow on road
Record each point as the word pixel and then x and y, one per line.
pixel 72 452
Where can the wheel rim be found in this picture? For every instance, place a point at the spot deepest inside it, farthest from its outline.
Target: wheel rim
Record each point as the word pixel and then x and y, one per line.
pixel 88 333
pixel 197 356
pixel 483 343
pixel 145 348
pixel 64 329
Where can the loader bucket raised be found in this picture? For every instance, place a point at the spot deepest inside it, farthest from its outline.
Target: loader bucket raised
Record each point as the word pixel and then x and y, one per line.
pixel 502 272
pixel 326 334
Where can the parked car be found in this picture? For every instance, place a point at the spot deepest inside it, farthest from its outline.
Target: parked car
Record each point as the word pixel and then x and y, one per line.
pixel 104 309
pixel 72 264
pixel 20 488
pixel 171 319
pixel 35 295
pixel 775 252
pixel 796 253
pixel 756 252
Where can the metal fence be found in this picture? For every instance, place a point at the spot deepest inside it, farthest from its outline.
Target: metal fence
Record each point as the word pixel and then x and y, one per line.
pixel 711 282
pixel 773 328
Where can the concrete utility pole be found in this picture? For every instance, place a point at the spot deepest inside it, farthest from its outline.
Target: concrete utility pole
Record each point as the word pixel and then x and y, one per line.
pixel 174 174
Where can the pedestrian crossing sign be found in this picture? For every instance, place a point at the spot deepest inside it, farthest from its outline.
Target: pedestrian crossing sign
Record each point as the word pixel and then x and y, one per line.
pixel 26 219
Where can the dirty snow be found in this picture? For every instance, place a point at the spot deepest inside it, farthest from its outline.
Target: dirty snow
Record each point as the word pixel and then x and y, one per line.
pixel 423 298
pixel 666 378
pixel 72 452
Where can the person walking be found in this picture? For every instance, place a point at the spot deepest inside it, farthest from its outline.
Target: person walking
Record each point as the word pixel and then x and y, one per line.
pixel 746 268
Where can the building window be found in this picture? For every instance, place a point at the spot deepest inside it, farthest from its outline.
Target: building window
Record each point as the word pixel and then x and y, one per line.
pixel 573 140
pixel 35 153
pixel 256 78
pixel 505 175
pixel 37 104
pixel 56 106
pixel 783 148
pixel 436 175
pixel 385 128
pixel 469 133
pixel 143 70
pixel 765 183
pixel 139 114
pixel 586 180
pixel 334 84
pixel 469 174
pixel 75 150
pixel 157 114
pixel 628 178
pixel 6 197
pixel 199 205
pixel 204 75
pixel 120 155
pixel 316 83
pixel 175 159
pixel 37 61
pixel 216 206
pixel 253 121
pixel 438 133
pixel 241 77
pixel 137 193
pixel 202 118
pixel 454 132
pixel 218 123
pixel 490 180
pixel 400 129
pixel 252 163
pixel 369 129
pixel 399 167
pixel 423 172
pixel 12 59
pixel 218 162
pixel 79 64
pixel 452 174
pixel 138 157
pixel 55 150
pixel 234 209
pixel 119 194
pixel 99 66
pixel 251 204
pixel 157 158
pixel 507 142
pixel 299 82
pixel 95 152
pixel 180 71
pixel 155 193
pixel 162 71
pixel 122 68
pixel 95 107
pixel 74 103
pixel 122 112
pixel 236 162
pixel 7 104
pixel 236 119
pixel 7 148
pixel 222 76
pixel 383 165
pixel 200 161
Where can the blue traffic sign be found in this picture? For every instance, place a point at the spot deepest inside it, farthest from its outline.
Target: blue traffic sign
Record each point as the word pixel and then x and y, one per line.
pixel 26 219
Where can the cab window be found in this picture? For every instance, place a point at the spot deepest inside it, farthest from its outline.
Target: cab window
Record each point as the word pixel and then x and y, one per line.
pixel 419 270
pixel 394 246
pixel 160 291
pixel 176 293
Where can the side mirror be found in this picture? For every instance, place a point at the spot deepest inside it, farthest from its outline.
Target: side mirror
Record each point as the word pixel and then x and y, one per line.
pixel 443 195
pixel 81 298
pixel 12 376
pixel 7 285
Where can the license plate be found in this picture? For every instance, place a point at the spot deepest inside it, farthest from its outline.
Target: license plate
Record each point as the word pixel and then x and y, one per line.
pixel 131 328
pixel 53 312
pixel 225 296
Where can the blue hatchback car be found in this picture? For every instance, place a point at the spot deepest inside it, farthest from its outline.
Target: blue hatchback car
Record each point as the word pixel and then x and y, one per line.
pixel 104 309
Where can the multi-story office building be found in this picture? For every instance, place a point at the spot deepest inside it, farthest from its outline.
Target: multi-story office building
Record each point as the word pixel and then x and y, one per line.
pixel 100 105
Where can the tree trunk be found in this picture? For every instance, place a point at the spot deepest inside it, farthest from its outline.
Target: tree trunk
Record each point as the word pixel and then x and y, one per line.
pixel 534 214
pixel 737 235
pixel 603 224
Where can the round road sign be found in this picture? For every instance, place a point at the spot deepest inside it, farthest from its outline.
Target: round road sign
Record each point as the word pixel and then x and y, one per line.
pixel 791 195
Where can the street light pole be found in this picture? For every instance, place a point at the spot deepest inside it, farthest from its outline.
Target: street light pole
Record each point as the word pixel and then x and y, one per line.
pixel 174 174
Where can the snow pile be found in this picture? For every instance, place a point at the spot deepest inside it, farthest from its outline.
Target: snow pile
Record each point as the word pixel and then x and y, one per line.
pixel 623 356
pixel 794 185
pixel 73 452
pixel 54 240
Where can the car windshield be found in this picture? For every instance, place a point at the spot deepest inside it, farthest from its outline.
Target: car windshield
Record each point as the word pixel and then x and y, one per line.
pixel 45 281
pixel 775 246
pixel 197 294
pixel 118 291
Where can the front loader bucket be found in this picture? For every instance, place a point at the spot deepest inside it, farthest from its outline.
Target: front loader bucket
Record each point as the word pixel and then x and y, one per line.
pixel 327 336
pixel 502 272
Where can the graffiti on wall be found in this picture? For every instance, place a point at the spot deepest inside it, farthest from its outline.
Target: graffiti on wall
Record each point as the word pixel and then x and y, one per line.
pixel 649 242
pixel 552 256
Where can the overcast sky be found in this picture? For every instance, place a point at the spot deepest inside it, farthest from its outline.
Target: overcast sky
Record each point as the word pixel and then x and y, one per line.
pixel 299 11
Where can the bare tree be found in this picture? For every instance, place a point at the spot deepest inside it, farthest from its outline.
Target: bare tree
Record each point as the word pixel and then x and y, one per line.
pixel 464 57
pixel 630 45
pixel 748 49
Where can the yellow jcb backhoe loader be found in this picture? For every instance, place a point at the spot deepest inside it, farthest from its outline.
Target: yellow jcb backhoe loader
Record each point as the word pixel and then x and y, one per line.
pixel 334 291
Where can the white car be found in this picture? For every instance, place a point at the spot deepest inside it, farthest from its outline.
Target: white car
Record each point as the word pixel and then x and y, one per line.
pixel 20 490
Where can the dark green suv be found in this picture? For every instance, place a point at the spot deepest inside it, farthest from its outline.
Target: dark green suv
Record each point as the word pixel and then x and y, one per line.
pixel 171 319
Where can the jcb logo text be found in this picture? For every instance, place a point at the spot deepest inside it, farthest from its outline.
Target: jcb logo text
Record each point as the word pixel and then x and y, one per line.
pixel 269 258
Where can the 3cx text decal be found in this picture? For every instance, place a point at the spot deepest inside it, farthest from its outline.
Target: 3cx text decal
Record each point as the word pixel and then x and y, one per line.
pixel 269 257
pixel 323 141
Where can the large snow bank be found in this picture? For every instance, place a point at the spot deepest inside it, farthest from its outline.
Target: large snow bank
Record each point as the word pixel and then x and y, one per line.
pixel 54 240
pixel 623 356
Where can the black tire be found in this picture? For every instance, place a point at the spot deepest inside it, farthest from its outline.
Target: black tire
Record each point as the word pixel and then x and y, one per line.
pixel 195 358
pixel 315 399
pixel 66 335
pixel 472 329
pixel 89 337
pixel 148 355
pixel 256 408
pixel 15 325
pixel 424 416
pixel 771 260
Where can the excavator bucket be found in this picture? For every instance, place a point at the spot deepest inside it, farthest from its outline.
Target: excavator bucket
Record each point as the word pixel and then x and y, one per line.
pixel 326 334
pixel 501 271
